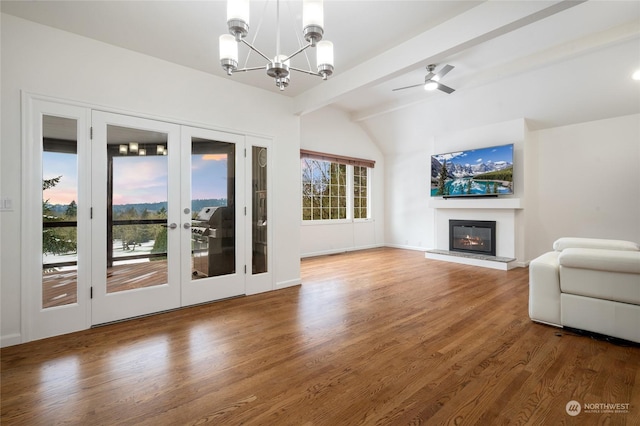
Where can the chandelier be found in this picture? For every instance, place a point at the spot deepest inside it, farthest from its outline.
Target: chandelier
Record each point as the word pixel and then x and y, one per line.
pixel 280 66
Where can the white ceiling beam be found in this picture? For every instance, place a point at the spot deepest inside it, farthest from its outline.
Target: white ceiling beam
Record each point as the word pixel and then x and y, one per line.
pixel 562 52
pixel 484 22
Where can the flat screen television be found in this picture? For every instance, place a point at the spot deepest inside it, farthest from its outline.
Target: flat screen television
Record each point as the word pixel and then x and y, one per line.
pixel 473 173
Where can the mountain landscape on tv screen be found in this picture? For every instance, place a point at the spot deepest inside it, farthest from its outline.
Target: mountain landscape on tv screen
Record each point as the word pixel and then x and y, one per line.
pixel 487 171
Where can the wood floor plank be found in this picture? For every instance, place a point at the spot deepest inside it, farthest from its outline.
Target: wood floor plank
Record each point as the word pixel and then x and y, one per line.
pixel 377 337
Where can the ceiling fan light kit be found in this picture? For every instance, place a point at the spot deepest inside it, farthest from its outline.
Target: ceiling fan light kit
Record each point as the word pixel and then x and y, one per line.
pixel 432 80
pixel 280 66
pixel 431 85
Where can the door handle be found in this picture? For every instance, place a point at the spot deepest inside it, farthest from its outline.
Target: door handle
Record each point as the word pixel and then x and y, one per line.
pixel 173 226
pixel 187 225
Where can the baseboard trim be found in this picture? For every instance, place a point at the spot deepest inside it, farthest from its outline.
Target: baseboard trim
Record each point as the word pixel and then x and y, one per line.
pixel 405 247
pixel 339 250
pixel 290 283
pixel 10 340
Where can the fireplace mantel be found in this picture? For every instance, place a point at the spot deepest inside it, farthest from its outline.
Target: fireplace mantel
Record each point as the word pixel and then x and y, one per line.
pixel 476 203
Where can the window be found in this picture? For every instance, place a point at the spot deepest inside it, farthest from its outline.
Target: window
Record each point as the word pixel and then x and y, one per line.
pixel 334 187
pixel 324 190
pixel 360 192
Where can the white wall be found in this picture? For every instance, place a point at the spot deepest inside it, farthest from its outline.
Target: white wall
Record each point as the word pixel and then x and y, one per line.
pixel 330 130
pixel 409 221
pixel 562 179
pixel 588 183
pixel 46 61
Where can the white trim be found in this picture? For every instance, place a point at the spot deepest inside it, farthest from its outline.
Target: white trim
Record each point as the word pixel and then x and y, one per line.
pixel 340 250
pixel 116 110
pixel 36 322
pixel 10 340
pixel 405 247
pixel 475 203
pixel 326 222
pixel 289 283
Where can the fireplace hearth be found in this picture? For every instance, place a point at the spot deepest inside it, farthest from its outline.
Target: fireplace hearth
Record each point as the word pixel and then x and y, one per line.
pixel 473 236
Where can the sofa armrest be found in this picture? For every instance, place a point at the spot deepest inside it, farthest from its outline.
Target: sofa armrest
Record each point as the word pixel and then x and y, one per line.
pixel 601 260
pixel 594 243
pixel 544 289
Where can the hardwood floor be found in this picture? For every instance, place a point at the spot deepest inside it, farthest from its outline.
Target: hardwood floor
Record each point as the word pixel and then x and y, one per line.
pixel 381 336
pixel 59 287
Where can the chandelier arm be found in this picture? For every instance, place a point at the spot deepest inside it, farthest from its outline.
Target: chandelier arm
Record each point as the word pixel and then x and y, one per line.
pixel 255 49
pixel 298 51
pixel 317 74
pixel 255 35
pixel 249 69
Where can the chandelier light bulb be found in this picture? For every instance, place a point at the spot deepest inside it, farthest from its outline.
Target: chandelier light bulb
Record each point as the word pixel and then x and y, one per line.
pixel 312 13
pixel 123 149
pixel 228 53
pixel 133 146
pixel 142 151
pixel 312 21
pixel 238 10
pixel 228 47
pixel 238 18
pixel 324 58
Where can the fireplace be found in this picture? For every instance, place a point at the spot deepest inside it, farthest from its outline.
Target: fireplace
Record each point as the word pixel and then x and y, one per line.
pixel 473 236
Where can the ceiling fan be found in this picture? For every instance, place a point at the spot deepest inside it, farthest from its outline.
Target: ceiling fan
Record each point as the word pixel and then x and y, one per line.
pixel 432 80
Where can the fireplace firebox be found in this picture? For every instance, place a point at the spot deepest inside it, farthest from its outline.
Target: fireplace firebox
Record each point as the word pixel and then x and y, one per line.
pixel 473 236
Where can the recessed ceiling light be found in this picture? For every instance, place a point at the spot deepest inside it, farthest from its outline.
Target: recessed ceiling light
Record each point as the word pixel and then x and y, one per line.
pixel 636 75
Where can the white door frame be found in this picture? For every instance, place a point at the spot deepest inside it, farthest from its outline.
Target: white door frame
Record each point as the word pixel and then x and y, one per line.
pixel 36 322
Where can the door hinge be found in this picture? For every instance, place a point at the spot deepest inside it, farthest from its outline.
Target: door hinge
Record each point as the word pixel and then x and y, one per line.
pixel 245 269
pixel 91 133
pixel 90 292
pixel 245 153
pixel 91 213
pixel 245 210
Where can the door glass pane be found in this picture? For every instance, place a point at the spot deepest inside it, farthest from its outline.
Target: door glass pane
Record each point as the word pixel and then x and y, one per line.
pixel 259 214
pixel 213 244
pixel 137 193
pixel 59 211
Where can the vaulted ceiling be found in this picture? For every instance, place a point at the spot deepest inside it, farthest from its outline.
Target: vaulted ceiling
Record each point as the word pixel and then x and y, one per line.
pixel 379 45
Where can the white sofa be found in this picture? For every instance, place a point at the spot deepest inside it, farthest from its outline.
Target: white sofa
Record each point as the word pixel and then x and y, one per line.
pixel 588 284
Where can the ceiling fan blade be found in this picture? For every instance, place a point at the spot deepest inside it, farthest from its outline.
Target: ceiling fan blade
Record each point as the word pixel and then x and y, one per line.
pixel 445 70
pixel 429 77
pixel 445 89
pixel 407 87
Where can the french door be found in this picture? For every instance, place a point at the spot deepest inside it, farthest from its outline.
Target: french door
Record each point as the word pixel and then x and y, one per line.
pixel 167 216
pixel 135 221
pixel 212 216
pixel 138 216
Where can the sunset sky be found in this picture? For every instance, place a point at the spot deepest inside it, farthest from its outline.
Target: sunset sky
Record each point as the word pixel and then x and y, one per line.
pixel 137 179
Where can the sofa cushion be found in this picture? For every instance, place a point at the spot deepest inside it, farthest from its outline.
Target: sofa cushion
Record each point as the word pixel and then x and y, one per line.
pixel 602 274
pixel 573 242
pixel 601 260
